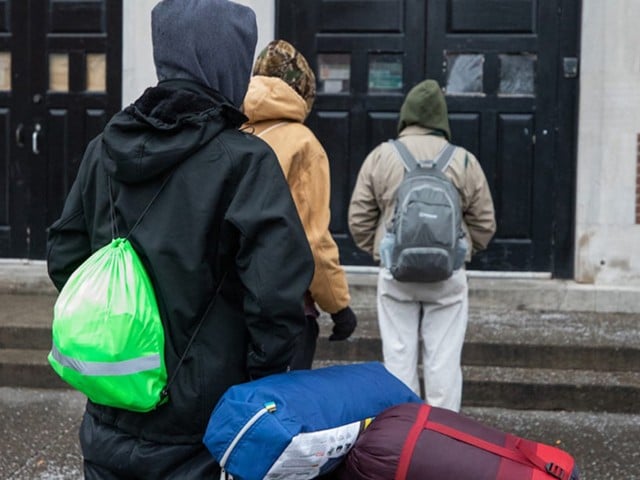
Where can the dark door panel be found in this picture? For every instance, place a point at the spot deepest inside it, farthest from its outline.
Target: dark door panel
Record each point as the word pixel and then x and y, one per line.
pixel 492 16
pixel 67 60
pixel 5 144
pixel 335 125
pixel 14 85
pixel 502 66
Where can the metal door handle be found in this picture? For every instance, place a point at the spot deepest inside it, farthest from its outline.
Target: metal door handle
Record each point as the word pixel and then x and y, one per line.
pixel 19 141
pixel 34 139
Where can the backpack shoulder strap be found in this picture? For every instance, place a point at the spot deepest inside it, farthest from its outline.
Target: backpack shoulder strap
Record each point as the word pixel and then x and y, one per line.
pixel 114 227
pixel 172 378
pixel 443 158
pixel 441 162
pixel 409 162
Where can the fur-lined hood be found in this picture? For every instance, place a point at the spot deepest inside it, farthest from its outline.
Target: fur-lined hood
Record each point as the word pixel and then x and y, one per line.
pixel 164 127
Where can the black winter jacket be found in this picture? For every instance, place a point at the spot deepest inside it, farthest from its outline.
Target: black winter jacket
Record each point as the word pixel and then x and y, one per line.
pixel 226 207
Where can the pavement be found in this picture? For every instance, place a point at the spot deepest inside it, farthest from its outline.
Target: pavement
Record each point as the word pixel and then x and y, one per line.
pixel 39 435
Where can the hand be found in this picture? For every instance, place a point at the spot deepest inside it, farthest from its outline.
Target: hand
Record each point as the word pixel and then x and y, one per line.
pixel 344 323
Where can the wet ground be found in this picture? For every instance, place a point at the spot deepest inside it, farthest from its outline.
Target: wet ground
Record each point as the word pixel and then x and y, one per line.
pixel 38 437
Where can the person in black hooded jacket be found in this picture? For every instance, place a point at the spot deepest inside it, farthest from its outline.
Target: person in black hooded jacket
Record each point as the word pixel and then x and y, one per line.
pixel 224 211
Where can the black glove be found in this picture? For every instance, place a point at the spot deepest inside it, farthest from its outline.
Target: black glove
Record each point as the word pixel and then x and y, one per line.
pixel 344 323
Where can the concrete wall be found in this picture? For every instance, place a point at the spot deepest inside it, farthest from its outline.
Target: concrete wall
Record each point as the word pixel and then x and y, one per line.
pixel 607 236
pixel 138 71
pixel 266 18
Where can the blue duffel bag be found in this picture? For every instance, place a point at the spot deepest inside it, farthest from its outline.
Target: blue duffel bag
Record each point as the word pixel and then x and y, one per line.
pixel 299 424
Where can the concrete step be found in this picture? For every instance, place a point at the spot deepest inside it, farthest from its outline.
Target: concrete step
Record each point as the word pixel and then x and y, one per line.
pixel 511 358
pixel 607 342
pixel 25 321
pixel 554 340
pixel 519 291
pixel 486 385
pixel 480 353
pixel 545 389
pixel 503 353
pixel 578 361
pixel 512 290
pixel 27 337
pixel 27 368
pixel 551 389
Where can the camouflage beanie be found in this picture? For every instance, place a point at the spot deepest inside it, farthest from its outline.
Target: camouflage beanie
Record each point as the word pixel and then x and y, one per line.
pixel 281 59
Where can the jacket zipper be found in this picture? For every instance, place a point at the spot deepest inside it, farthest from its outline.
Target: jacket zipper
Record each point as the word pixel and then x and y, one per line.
pixel 269 407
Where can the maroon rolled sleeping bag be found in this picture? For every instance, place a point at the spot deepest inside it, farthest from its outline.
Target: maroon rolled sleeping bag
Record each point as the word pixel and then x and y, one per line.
pixel 418 442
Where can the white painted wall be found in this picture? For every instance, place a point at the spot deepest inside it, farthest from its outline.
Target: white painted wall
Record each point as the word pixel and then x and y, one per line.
pixel 138 70
pixel 607 238
pixel 266 19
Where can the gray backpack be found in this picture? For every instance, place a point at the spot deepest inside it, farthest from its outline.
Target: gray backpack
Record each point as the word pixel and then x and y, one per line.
pixel 426 242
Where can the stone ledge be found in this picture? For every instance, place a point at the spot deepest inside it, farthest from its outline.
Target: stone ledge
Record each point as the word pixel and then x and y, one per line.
pixel 513 290
pixel 25 276
pixel 520 291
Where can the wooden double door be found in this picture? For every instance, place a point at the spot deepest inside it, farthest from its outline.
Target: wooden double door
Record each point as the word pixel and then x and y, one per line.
pixel 60 81
pixel 509 69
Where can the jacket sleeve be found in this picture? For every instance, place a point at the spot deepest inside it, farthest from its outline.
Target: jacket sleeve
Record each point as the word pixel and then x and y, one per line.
pixel 68 243
pixel 329 286
pixel 479 215
pixel 274 262
pixel 364 211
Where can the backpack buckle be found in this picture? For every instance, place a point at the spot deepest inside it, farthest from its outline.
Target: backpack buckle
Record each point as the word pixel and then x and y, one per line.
pixel 427 164
pixel 555 470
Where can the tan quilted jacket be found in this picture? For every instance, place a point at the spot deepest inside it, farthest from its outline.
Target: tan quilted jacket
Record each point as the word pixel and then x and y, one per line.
pixel 276 113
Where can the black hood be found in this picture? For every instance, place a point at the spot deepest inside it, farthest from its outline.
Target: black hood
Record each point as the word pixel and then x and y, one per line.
pixel 164 127
pixel 209 41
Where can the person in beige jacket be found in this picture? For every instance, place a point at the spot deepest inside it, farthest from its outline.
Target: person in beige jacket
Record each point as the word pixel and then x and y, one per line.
pixel 437 312
pixel 280 96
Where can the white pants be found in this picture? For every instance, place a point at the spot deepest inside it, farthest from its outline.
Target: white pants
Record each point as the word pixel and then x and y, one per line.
pixel 436 312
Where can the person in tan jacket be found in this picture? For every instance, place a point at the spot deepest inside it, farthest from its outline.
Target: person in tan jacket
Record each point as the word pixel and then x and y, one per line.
pixel 280 96
pixel 437 312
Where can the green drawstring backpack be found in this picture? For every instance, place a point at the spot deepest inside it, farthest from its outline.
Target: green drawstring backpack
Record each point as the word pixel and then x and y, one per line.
pixel 108 337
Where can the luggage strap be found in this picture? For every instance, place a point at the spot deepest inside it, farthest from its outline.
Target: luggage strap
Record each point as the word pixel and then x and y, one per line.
pixel 410 443
pixel 520 453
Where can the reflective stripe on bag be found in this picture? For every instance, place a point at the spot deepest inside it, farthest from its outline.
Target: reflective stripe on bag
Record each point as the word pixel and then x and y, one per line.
pixel 125 367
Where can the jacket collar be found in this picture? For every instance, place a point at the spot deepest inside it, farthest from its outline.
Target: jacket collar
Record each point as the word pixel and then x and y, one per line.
pixel 418 130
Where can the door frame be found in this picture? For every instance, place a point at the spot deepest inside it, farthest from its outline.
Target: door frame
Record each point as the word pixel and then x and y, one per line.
pixel 567 125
